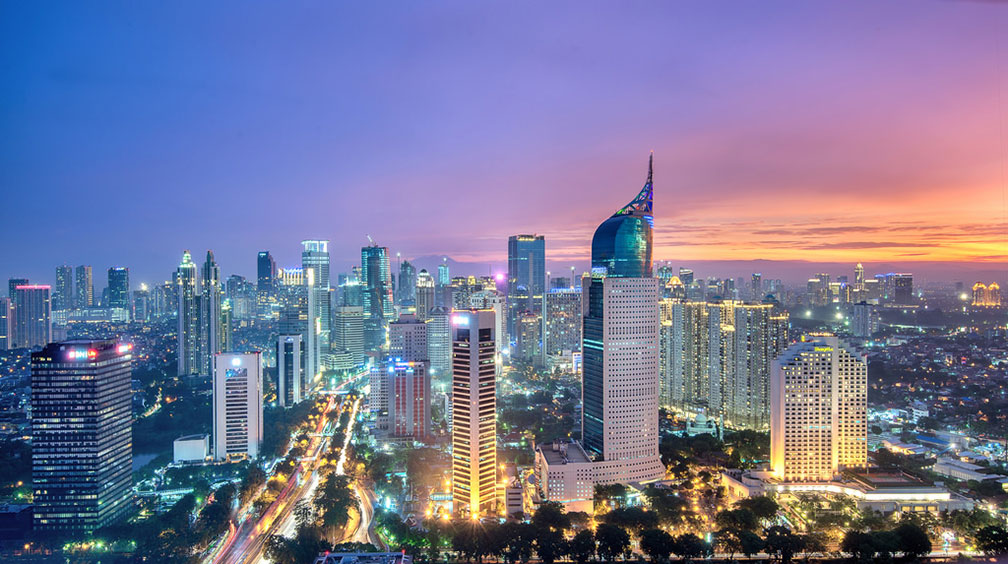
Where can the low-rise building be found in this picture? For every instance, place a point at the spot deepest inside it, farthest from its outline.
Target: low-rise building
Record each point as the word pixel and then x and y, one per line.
pixel 191 448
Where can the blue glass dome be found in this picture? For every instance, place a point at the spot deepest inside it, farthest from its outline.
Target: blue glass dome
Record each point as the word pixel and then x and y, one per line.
pixel 622 244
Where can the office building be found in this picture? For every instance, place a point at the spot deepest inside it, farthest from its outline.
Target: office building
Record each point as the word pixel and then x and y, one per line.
pixel 142 304
pixel 493 300
pixel 409 395
pixel 406 288
pixel 316 257
pixel 527 331
pixel 526 277
pixel 237 405
pixel 211 326
pixel 188 302
pixel 439 344
pixel 348 336
pixel 425 294
pixel 563 321
pixel 84 289
pixel 864 320
pixel 63 296
pixel 818 410
pixel 266 270
pixel 408 339
pixel 32 325
pixel 6 324
pixel 291 360
pixel 902 288
pixel 443 289
pixel 82 437
pixel 118 288
pixel 620 351
pixel 474 412
pixel 378 304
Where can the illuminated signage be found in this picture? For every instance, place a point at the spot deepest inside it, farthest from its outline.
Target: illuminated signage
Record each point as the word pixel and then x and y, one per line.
pixel 460 320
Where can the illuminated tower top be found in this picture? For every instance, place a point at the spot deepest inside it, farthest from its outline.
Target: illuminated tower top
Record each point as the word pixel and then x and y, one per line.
pixel 621 246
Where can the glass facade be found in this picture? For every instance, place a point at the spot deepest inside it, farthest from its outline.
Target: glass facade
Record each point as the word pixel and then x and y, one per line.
pixel 82 437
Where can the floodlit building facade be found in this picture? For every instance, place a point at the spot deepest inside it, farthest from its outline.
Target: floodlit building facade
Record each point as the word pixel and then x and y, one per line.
pixel 474 413
pixel 237 405
pixel 818 410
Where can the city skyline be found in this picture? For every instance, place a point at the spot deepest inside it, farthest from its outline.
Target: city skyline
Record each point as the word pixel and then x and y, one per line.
pixel 911 165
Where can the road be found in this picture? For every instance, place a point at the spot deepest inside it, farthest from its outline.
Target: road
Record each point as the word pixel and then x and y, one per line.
pixel 246 542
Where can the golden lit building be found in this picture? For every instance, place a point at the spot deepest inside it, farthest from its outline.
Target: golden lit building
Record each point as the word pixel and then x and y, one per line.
pixel 818 410
pixel 986 295
pixel 474 413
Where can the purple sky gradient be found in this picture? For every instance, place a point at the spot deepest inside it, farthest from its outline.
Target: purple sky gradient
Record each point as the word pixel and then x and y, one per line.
pixel 788 131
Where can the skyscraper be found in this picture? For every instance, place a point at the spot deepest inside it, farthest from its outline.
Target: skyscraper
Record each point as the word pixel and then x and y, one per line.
pixel 32 326
pixel 210 313
pixel 348 337
pixel 408 339
pixel 85 288
pixel 526 277
pixel 756 287
pixel 82 438
pixel 818 410
pixel 439 342
pixel 63 296
pixel 378 304
pixel 13 283
pixel 266 270
pixel 425 299
pixel 237 405
pixel 621 360
pixel 118 287
pixel 563 321
pixel 291 360
pixel 443 290
pixel 316 257
pixel 6 324
pixel 187 299
pixel 407 283
pixel 474 412
pixel 409 390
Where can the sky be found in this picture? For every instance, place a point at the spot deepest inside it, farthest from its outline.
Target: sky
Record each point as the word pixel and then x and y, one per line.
pixel 783 132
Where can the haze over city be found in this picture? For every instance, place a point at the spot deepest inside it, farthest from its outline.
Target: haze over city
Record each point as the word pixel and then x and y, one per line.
pixel 838 133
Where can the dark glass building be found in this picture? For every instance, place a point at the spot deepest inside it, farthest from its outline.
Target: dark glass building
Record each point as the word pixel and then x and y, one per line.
pixel 82 437
pixel 266 271
pixel 118 287
pixel 526 278
pixel 378 305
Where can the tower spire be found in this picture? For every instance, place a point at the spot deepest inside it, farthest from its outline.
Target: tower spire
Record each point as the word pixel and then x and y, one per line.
pixel 650 167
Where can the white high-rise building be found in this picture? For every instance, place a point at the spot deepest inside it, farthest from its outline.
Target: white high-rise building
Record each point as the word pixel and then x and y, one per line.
pixel 439 343
pixel 620 348
pixel 818 410
pixel 237 405
pixel 425 293
pixel 474 413
pixel 408 339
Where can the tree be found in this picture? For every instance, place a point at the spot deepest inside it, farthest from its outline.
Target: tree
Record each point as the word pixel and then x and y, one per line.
pixel 634 519
pixel 657 544
pixel 761 506
pixel 550 545
pixel 729 541
pixel 670 509
pixel 582 547
pixel 992 540
pixel 742 519
pixel 612 541
pixel 781 544
pixel 859 545
pixel 551 515
pixel 689 546
pixel 516 541
pixel 750 543
pixel 913 540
